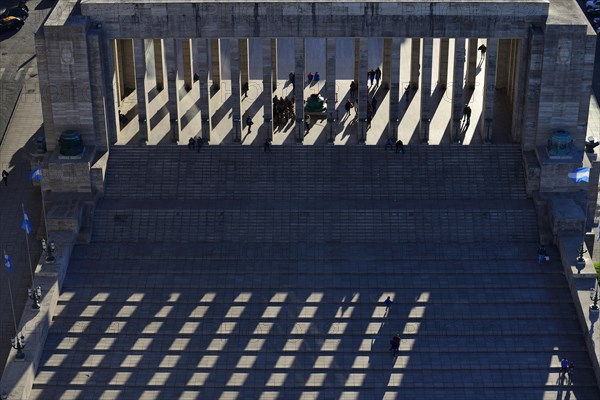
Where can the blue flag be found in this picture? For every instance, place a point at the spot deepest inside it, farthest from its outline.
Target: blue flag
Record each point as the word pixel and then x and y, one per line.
pixel 7 262
pixel 580 175
pixel 26 225
pixel 36 174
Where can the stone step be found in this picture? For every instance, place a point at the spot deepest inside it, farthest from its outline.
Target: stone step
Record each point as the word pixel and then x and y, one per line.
pixel 66 312
pixel 439 226
pixel 272 392
pixel 327 172
pixel 360 378
pixel 389 250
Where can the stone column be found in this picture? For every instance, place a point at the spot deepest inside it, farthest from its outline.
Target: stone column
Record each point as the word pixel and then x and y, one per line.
pixel 201 67
pixel 426 62
pixel 267 86
pixel 330 89
pixel 188 73
pixel 236 112
pixel 504 64
pixel 120 82
pixel 533 82
pixel 443 63
pixel 274 62
pixel 363 91
pixel 517 82
pixel 471 63
pixel 457 89
pixel 112 118
pixel 141 48
pixel 159 64
pixel 174 67
pixel 357 78
pixel 215 62
pixel 299 93
pixel 244 66
pixel 415 66
pixel 387 57
pixel 487 112
pixel 394 88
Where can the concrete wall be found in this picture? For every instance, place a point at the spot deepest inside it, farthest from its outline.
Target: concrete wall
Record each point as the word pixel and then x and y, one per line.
pixel 137 19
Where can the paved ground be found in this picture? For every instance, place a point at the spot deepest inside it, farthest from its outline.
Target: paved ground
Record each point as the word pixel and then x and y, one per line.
pixel 18 77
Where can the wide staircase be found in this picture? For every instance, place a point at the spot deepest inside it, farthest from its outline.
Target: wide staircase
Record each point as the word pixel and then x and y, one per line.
pixel 231 273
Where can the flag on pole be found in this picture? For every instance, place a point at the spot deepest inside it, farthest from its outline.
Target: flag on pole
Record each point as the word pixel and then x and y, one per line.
pixel 7 262
pixel 580 175
pixel 36 174
pixel 26 225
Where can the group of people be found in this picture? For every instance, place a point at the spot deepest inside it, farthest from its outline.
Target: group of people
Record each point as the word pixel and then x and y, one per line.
pixel 566 367
pixel 313 78
pixel 195 143
pixel 283 110
pixel 374 75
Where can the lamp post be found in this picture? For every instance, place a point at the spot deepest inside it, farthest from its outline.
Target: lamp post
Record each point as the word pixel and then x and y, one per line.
pixel 18 343
pixel 580 253
pixel 594 296
pixel 35 294
pixel 49 248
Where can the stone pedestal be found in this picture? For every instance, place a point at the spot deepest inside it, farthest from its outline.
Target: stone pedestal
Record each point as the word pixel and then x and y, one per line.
pixel 69 174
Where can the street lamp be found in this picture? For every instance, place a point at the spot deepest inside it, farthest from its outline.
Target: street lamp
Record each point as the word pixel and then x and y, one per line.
pixel 35 294
pixel 49 249
pixel 594 297
pixel 580 254
pixel 18 343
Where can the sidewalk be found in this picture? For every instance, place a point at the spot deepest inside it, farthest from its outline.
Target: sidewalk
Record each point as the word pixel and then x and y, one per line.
pixel 15 150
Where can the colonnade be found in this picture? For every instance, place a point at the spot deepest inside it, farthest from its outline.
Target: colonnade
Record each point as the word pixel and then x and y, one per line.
pixel 182 66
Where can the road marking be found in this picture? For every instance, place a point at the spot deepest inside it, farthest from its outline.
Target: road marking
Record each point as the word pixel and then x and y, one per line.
pixel 2 72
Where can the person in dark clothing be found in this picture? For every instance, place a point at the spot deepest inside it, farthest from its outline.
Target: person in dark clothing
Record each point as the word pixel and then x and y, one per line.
pixel 541 254
pixel 399 146
pixel 5 177
pixel 348 106
pixel 467 113
pixel 191 144
pixel 374 104
pixel 267 145
pixel 377 76
pixel 249 123
pixel 245 89
pixel 395 345
pixel 371 76
pixel 482 49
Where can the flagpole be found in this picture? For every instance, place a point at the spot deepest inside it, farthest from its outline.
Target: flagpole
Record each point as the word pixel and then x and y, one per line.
pixel 43 205
pixel 12 306
pixel 28 252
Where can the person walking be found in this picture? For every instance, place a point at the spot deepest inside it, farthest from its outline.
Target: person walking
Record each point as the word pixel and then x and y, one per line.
pixel 564 366
pixel 467 114
pixel 348 106
pixel 267 146
pixel 317 77
pixel 307 123
pixel 5 177
pixel 395 345
pixel 199 142
pixel 191 144
pixel 377 76
pixel 371 76
pixel 482 49
pixel 388 302
pixel 541 254
pixel 249 123
pixel 399 146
